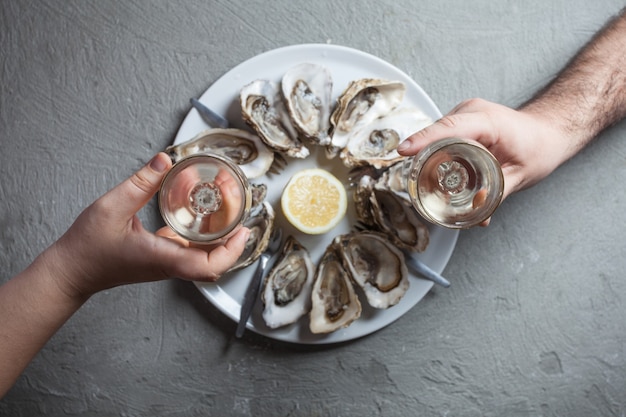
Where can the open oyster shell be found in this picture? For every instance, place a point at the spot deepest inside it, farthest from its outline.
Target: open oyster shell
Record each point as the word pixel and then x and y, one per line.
pixel 334 303
pixel 375 265
pixel 393 179
pixel 261 223
pixel 363 101
pixel 380 208
pixel 243 148
pixel 307 89
pixel 286 292
pixel 375 143
pixel 263 109
pixel 398 220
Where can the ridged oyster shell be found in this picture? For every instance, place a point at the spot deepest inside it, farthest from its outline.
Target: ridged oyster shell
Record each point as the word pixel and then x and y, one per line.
pixel 382 209
pixel 375 143
pixel 243 148
pixel 286 293
pixel 363 101
pixel 393 179
pixel 263 109
pixel 307 89
pixel 334 303
pixel 375 265
pixel 261 223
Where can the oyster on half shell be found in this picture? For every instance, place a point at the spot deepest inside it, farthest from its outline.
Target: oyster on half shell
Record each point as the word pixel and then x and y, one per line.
pixel 286 292
pixel 394 179
pixel 307 89
pixel 381 209
pixel 363 101
pixel 398 220
pixel 263 109
pixel 243 148
pixel 375 265
pixel 375 143
pixel 334 303
pixel 261 223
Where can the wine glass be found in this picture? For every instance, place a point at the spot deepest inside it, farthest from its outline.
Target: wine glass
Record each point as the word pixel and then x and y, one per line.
pixel 455 183
pixel 205 198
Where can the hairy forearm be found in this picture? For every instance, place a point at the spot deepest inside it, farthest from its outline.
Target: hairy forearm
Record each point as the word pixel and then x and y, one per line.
pixel 589 95
pixel 33 307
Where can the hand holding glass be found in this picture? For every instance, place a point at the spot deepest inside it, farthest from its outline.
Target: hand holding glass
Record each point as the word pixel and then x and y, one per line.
pixel 205 198
pixel 455 183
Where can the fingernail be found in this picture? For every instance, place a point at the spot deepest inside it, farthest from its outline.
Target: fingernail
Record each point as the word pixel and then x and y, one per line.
pixel 404 146
pixel 158 163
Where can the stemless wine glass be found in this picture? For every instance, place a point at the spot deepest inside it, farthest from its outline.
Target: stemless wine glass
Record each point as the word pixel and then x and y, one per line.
pixel 205 198
pixel 455 183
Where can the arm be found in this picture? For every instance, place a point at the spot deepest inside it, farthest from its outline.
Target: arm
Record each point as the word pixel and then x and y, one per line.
pixel 585 98
pixel 589 94
pixel 105 247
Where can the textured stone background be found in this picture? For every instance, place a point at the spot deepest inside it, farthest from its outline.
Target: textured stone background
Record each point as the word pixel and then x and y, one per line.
pixel 533 325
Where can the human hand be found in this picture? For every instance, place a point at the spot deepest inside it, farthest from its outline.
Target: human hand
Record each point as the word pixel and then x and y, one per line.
pixel 232 201
pixel 107 245
pixel 526 144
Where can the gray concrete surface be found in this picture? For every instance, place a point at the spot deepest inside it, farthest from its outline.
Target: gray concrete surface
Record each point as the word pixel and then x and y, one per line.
pixel 533 325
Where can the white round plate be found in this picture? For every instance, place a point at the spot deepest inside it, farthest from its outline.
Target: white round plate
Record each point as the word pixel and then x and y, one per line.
pixel 345 65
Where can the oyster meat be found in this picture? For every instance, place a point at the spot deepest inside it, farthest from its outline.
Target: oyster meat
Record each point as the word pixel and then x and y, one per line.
pixel 259 192
pixel 307 89
pixel 363 101
pixel 375 143
pixel 375 265
pixel 243 148
pixel 286 293
pixel 361 198
pixel 334 303
pixel 263 109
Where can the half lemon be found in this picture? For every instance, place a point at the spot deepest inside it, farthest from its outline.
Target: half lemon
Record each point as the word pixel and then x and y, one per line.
pixel 314 201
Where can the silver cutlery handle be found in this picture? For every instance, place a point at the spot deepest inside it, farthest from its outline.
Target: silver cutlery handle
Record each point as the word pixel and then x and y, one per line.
pixel 251 296
pixel 423 270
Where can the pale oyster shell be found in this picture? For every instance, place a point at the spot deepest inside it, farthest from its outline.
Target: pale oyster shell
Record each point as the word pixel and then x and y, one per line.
pixel 375 265
pixel 334 303
pixel 393 179
pixel 286 292
pixel 261 223
pixel 375 143
pixel 263 109
pixel 363 101
pixel 243 148
pixel 307 90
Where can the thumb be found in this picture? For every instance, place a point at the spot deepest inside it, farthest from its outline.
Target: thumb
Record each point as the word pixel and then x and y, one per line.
pixel 135 192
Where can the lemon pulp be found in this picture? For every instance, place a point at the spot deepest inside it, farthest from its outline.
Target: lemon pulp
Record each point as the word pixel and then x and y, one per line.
pixel 314 201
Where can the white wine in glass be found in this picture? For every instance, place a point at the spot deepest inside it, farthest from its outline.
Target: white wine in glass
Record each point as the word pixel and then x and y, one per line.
pixel 205 198
pixel 455 183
